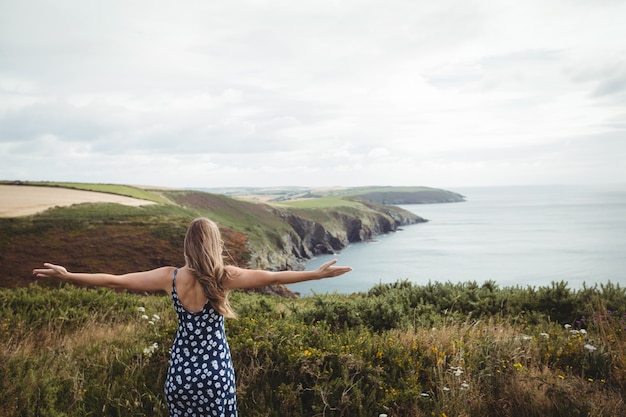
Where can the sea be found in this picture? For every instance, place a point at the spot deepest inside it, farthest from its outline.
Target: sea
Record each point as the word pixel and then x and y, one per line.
pixel 515 236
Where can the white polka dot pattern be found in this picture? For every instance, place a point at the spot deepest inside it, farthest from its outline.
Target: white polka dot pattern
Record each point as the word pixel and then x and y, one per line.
pixel 200 380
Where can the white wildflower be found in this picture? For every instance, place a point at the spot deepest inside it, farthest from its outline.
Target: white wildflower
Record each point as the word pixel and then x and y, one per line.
pixel 545 335
pixel 574 331
pixel 446 389
pixel 156 317
pixel 143 316
pixel 526 337
pixel 151 322
pixel 425 394
pixel 583 331
pixel 148 351
pixel 141 309
pixel 590 348
pixel 464 385
pixel 567 326
pixel 456 370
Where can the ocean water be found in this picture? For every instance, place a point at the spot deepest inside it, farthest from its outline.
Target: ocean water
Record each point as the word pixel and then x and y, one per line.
pixel 515 236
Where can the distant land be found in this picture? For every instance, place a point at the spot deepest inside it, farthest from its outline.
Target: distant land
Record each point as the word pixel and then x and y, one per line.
pixel 386 195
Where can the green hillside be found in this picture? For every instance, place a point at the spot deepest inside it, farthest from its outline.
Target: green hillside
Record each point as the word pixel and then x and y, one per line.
pixel 117 238
pixel 375 194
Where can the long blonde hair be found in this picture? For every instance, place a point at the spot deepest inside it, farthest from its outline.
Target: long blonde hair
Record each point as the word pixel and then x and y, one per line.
pixel 203 256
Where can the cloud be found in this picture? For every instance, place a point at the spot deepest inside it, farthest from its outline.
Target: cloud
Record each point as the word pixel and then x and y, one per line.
pixel 251 92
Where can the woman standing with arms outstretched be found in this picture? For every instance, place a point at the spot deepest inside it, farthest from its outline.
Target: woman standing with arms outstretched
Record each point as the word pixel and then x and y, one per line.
pixel 200 379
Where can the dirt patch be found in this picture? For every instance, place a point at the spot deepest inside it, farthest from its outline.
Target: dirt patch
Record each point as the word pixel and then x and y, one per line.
pixel 24 200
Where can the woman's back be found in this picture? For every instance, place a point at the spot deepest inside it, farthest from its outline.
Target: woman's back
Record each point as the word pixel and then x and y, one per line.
pixel 189 291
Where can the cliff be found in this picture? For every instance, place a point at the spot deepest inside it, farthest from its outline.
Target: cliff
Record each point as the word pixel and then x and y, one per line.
pixel 335 231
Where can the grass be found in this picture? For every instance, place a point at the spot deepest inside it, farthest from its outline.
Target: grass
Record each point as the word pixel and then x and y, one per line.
pixel 322 202
pixel 69 351
pixel 263 225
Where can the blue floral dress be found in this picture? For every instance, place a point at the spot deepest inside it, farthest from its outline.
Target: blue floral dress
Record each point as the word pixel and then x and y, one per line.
pixel 200 379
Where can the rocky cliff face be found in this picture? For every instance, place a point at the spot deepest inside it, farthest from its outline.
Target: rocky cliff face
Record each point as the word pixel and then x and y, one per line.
pixel 309 238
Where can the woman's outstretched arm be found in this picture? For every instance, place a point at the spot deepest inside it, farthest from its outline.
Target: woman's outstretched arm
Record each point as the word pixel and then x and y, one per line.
pixel 159 279
pixel 250 278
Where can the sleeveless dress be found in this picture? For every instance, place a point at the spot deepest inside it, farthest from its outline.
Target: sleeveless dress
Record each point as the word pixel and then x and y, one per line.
pixel 200 379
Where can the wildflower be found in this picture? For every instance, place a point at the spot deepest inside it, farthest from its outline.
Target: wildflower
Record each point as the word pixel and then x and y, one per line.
pixel 545 335
pixel 141 309
pixel 464 385
pixel 583 331
pixel 148 351
pixel 446 389
pixel 567 326
pixel 590 348
pixel 156 317
pixel 143 316
pixel 526 337
pixel 425 394
pixel 574 331
pixel 561 377
pixel 151 322
pixel 518 366
pixel 456 370
pixel 590 379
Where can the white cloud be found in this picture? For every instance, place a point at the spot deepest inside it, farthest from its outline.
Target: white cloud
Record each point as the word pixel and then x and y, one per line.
pixel 312 93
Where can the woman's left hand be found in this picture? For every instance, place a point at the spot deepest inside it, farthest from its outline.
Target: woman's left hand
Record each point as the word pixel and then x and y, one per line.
pixel 328 270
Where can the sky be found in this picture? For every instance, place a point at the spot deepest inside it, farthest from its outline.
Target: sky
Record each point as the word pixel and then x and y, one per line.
pixel 254 93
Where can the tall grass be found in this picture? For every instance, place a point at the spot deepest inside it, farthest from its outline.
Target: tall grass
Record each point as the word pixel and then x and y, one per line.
pixel 399 349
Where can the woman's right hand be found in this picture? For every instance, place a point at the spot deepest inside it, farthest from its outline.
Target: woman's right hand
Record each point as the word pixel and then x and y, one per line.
pixel 51 271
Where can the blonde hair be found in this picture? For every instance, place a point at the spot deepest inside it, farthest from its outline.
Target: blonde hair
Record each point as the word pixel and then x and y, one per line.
pixel 203 256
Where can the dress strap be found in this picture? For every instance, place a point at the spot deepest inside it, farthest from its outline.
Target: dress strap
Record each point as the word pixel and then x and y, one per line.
pixel 174 283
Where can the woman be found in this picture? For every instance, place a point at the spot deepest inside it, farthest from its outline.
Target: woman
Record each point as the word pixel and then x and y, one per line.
pixel 200 379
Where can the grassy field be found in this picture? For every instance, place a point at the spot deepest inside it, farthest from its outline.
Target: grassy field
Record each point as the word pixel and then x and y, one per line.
pixel 404 350
pixel 125 190
pixel 322 202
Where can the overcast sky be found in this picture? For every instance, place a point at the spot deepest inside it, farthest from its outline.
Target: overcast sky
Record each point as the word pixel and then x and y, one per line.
pixel 206 93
